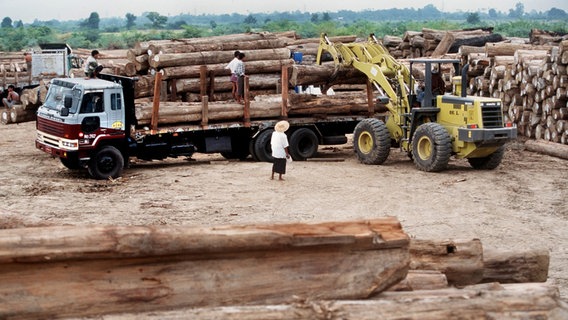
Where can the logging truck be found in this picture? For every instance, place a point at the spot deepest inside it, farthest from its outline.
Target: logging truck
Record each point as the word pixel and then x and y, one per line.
pixel 430 127
pixel 93 124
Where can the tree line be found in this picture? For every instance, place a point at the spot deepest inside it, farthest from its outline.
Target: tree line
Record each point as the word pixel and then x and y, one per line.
pixel 120 33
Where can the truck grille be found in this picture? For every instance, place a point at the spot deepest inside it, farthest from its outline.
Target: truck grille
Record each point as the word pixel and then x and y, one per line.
pixel 492 116
pixel 50 127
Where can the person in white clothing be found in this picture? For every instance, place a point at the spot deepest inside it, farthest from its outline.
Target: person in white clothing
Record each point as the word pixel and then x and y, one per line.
pixel 279 144
pixel 232 66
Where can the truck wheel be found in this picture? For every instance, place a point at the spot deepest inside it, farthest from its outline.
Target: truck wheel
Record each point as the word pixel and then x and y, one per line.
pixel 303 144
pixel 490 162
pixel 262 147
pixel 333 140
pixel 431 147
pixel 71 163
pixel 240 150
pixel 371 141
pixel 106 163
pixel 251 149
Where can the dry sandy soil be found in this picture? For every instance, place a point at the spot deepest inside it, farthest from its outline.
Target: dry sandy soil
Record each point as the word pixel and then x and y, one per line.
pixel 520 205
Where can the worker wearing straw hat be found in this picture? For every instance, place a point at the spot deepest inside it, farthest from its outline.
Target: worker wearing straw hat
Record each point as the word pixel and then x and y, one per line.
pixel 279 144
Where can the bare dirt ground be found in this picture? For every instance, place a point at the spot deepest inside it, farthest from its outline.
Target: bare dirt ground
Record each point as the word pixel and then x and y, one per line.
pixel 521 205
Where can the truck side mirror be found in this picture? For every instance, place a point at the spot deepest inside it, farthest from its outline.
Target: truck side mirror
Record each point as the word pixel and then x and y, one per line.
pixel 67 103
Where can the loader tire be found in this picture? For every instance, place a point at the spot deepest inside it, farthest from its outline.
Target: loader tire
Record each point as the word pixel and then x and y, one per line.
pixel 107 163
pixel 431 147
pixel 490 162
pixel 371 141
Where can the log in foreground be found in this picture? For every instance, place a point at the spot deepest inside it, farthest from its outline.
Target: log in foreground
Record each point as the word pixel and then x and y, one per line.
pixel 68 271
pixel 489 301
pixel 548 148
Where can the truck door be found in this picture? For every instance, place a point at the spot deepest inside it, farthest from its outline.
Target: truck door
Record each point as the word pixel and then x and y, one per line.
pixel 115 110
pixel 92 114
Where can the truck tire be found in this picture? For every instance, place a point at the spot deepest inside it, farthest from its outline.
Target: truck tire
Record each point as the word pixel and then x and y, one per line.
pixel 490 162
pixel 303 144
pixel 371 141
pixel 334 140
pixel 431 147
pixel 251 150
pixel 240 150
pixel 106 163
pixel 262 148
pixel 71 163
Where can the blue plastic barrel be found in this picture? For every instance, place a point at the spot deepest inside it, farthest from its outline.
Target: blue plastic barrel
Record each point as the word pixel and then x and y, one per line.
pixel 298 56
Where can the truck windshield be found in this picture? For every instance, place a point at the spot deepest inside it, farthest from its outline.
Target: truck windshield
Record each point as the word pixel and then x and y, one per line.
pixel 56 96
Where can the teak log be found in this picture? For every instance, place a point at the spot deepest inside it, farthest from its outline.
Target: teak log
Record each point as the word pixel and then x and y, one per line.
pixel 326 74
pixel 460 260
pixel 515 267
pixel 244 46
pixel 252 67
pixel 69 271
pixel 488 301
pixel 421 280
pixel 214 57
pixel 548 148
pixel 264 107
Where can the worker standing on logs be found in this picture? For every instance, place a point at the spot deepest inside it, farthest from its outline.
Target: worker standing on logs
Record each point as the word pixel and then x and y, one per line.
pixel 231 66
pixel 240 72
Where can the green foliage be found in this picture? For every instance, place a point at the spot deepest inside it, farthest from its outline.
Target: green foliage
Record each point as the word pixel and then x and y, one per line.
pixel 130 21
pixel 250 19
pixel 158 21
pixel 92 22
pixel 191 32
pixel 16 39
pixel 6 23
pixel 473 18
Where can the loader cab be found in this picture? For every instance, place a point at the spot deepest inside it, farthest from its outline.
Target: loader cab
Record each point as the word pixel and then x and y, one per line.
pixel 424 92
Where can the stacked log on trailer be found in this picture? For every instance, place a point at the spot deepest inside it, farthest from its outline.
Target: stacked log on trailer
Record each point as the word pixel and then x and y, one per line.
pixel 532 82
pixel 13 70
pixel 349 270
pixel 181 61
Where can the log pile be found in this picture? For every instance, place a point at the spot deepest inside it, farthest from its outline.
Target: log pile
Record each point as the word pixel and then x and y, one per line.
pixel 348 270
pixel 30 100
pixel 437 43
pixel 531 81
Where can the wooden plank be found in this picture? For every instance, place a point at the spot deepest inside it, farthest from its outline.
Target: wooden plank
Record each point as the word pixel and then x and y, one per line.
pixel 67 271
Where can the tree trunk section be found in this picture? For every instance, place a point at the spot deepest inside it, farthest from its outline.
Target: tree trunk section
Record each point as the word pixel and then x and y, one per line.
pixel 69 271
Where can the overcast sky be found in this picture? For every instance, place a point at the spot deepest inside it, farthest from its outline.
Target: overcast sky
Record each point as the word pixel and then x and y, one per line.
pixel 29 10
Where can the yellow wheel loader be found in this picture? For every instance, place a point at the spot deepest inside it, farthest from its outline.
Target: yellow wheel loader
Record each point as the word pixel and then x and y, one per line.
pixel 430 127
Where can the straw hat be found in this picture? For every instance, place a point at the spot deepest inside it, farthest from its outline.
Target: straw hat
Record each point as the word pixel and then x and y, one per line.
pixel 282 126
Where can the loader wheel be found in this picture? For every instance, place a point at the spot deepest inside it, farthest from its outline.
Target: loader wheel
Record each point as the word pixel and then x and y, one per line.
pixel 490 162
pixel 371 141
pixel 106 163
pixel 431 147
pixel 262 148
pixel 303 144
